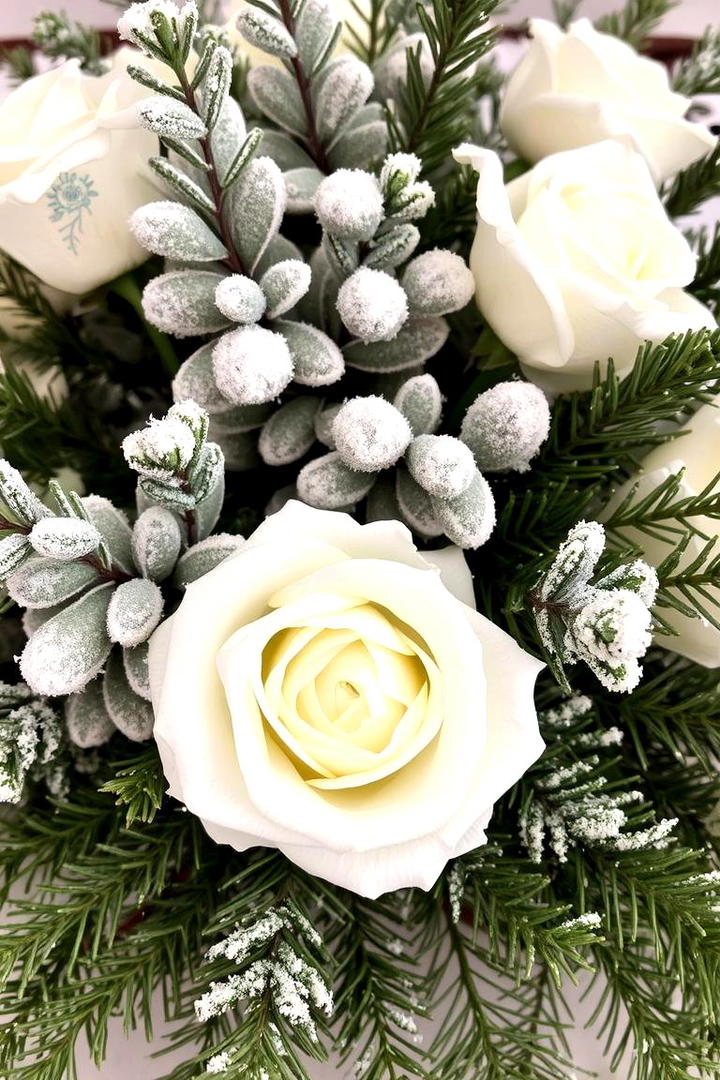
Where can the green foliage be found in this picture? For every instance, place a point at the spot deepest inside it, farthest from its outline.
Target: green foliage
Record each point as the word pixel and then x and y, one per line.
pixel 19 63
pixel 60 37
pixel 139 785
pixel 433 117
pixel 564 11
pixel 706 283
pixel 636 20
pixel 700 72
pixel 694 185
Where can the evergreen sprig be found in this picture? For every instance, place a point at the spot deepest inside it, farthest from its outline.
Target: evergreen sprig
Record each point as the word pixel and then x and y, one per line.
pixel 636 20
pixel 694 185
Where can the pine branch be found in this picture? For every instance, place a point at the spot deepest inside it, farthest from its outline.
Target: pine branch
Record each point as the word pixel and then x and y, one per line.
pixel 694 185
pixel 700 72
pixel 636 21
pixel 139 785
pixel 706 284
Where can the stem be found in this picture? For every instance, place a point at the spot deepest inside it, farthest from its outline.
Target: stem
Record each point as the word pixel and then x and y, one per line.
pixel 313 138
pixel 233 261
pixel 127 288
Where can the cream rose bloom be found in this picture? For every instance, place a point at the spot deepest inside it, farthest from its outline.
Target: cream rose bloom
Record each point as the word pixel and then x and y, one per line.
pixel 697 451
pixel 580 87
pixel 577 261
pixel 328 692
pixel 73 167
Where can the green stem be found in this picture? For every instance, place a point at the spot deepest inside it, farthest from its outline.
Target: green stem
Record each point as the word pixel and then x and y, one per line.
pixel 127 288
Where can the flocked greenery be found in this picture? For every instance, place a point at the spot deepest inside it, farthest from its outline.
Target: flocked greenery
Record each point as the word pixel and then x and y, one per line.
pixel 117 894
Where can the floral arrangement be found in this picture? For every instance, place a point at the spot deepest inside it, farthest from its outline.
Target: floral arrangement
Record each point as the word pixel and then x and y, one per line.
pixel 358 520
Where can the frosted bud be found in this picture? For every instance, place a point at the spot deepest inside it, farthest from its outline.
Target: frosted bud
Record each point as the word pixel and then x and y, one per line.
pixel 171 119
pixel 188 412
pixel 441 464
pixel 372 305
pixel 574 563
pixel 86 718
pixel 610 633
pixel 156 542
pixel 416 505
pixel 68 650
pixel 420 401
pixel 266 33
pixel 290 432
pixel 175 231
pixel 182 303
pixel 638 576
pixel 397 172
pixel 252 365
pixel 18 497
pixel 324 420
pixel 506 426
pixel 437 282
pixel 160 450
pixel 284 284
pixel 134 611
pixel 349 204
pixel 370 434
pixel 64 538
pixel 140 23
pixel 14 550
pixel 393 247
pixel 329 484
pixel 468 519
pixel 414 202
pixel 201 558
pixel 240 299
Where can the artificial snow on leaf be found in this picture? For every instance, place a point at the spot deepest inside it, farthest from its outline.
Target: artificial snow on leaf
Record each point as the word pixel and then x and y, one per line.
pixel 182 303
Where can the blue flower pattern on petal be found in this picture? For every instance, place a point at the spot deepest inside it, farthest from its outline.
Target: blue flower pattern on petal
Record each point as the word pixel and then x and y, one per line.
pixel 69 197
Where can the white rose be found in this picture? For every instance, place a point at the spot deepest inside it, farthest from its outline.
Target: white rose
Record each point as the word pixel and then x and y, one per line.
pixel 698 452
pixel 327 692
pixel 73 167
pixel 577 261
pixel 576 88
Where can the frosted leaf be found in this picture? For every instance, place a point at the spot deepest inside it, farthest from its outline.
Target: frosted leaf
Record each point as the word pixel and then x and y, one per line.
pixel 193 416
pixel 370 434
pixel 204 557
pixel 506 426
pixel 574 563
pixel 346 85
pixel 239 449
pixel 437 282
pixel 397 172
pixel 276 94
pixel 637 576
pixel 175 231
pixel 216 85
pixel 468 519
pixel 134 612
pixel 279 499
pixel 161 449
pixel 285 151
pixel 416 506
pixel 420 401
pixel 343 255
pixel 419 339
pixel 361 144
pixel 135 662
pixel 290 432
pixel 391 71
pixel 43 583
pixel 130 714
pixel 314 29
pixel 69 649
pixel 372 305
pixel 87 720
pixel 278 249
pixel 284 284
pixel 156 543
pixel 17 496
pixel 324 420
pixel 196 380
pixel 33 618
pixel 64 538
pixel 228 136
pixel 349 204
pixel 113 527
pixel 256 208
pixel 414 202
pixel 240 299
pixel 329 484
pixel 182 303
pixel 252 365
pixel 266 33
pixel 441 464
pixel 209 506
pixel 14 550
pixel 239 418
pixel 135 24
pixel 382 503
pixel 169 118
pixel 392 248
pixel 317 361
pixel 301 186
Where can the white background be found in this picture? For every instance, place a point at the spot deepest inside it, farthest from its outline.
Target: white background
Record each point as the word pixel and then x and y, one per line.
pixel 129 1058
